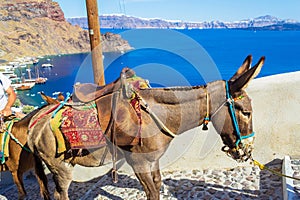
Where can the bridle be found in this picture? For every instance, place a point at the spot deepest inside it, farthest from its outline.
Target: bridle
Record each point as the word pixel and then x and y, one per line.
pixel 230 102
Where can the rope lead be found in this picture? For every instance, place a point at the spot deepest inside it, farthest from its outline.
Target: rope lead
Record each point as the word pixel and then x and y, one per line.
pixel 263 167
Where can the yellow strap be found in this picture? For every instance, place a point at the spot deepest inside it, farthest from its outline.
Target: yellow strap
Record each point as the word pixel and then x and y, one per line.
pixel 207 103
pixel 263 167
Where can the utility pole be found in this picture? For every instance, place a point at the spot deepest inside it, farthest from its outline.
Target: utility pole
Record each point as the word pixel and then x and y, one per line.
pixel 95 41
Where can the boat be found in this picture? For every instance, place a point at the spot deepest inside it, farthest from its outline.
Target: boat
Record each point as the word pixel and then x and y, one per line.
pixel 17 85
pixel 9 74
pixel 24 87
pixel 35 61
pixel 37 80
pixel 41 80
pixel 47 65
pixel 21 84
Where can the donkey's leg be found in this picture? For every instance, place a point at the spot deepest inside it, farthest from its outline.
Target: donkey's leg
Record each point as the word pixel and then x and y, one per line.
pixel 149 187
pixel 18 179
pixel 143 171
pixel 156 175
pixel 42 178
pixel 62 176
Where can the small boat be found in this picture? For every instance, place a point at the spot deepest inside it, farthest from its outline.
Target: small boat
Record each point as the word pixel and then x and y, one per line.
pixel 35 61
pixel 9 74
pixel 24 87
pixel 40 80
pixel 18 84
pixel 47 65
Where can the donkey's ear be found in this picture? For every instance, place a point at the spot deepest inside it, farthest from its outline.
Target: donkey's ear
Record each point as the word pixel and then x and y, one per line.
pixel 243 68
pixel 48 99
pixel 242 81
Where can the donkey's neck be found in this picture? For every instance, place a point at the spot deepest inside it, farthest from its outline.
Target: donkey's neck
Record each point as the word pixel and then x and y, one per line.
pixel 179 108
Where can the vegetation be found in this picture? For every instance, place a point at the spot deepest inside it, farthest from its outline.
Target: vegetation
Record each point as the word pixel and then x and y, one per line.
pixel 24 108
pixel 17 103
pixel 27 109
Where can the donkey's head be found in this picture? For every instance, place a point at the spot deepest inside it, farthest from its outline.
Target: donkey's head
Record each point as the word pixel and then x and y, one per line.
pixel 232 112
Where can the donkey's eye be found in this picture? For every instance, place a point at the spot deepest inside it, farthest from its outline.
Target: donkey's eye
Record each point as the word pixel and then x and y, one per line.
pixel 247 113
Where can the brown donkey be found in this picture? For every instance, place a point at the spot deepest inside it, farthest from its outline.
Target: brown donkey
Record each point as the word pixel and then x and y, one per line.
pixel 165 113
pixel 21 159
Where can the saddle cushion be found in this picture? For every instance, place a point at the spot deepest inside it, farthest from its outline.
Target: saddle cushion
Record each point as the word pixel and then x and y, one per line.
pixel 80 129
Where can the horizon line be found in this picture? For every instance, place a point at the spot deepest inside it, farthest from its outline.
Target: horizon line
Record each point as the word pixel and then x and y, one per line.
pixel 178 20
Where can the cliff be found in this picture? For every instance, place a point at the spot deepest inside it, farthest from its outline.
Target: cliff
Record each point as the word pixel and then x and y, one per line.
pixel 129 22
pixel 38 27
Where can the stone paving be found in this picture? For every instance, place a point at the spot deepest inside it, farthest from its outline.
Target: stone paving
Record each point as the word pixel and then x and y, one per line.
pixel 237 183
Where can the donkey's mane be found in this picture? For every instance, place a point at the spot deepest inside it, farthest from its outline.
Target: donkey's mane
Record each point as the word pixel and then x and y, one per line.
pixel 185 88
pixel 177 88
pixel 174 95
pixel 179 94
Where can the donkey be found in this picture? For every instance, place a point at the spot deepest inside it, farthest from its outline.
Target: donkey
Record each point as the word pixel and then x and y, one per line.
pixel 165 113
pixel 21 159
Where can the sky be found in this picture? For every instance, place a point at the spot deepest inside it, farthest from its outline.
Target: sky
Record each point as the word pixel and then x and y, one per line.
pixel 189 10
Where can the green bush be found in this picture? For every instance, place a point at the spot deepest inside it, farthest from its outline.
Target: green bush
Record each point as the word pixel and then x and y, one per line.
pixel 27 109
pixel 17 103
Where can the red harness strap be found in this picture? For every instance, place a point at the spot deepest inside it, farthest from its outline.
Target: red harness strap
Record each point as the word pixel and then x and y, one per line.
pixel 135 103
pixel 44 114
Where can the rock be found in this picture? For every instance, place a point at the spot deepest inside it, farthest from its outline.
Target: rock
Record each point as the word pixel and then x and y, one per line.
pixel 39 28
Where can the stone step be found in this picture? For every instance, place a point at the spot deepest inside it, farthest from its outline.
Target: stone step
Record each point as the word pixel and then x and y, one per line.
pixel 291 187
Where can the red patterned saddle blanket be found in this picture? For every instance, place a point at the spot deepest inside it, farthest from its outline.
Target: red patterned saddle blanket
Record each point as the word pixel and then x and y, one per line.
pixel 82 129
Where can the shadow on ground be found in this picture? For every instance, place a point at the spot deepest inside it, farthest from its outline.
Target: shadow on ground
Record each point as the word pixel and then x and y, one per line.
pixel 270 187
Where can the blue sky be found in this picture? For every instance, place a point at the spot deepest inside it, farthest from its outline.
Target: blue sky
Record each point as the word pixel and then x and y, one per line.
pixel 189 10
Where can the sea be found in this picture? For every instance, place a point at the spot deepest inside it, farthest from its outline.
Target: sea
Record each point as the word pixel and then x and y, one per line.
pixel 170 58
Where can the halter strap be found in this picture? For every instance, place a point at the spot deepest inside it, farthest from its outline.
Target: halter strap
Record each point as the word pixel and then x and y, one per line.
pixel 230 101
pixel 206 118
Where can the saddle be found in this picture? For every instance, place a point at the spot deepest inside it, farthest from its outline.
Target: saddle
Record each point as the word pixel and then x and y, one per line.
pixel 88 92
pixel 71 125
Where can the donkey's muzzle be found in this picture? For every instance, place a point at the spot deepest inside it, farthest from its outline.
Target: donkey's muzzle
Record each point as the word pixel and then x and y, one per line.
pixel 242 152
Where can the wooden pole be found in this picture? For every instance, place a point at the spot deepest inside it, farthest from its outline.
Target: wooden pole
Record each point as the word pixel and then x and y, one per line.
pixel 95 41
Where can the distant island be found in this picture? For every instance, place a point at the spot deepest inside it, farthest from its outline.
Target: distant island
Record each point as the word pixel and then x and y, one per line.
pixel 266 22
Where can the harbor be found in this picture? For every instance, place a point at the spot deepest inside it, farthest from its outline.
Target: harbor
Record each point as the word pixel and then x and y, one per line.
pixel 24 73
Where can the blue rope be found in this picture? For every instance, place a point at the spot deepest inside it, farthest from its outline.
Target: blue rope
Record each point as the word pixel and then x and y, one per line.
pixel 61 105
pixel 232 111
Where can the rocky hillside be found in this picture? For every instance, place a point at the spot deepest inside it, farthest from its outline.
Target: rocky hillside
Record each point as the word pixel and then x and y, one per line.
pixel 128 22
pixel 38 27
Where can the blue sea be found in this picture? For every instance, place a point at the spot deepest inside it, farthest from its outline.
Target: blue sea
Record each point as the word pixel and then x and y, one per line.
pixel 174 58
